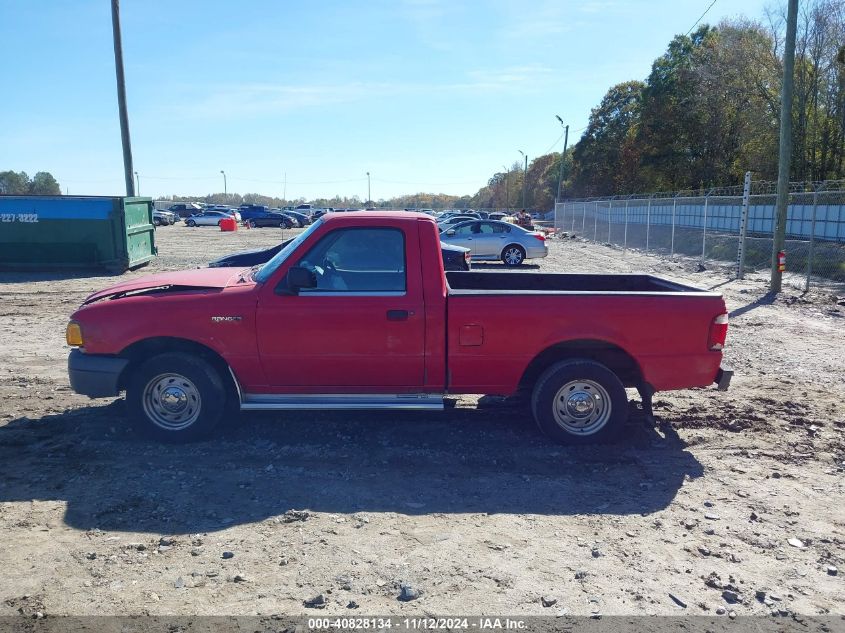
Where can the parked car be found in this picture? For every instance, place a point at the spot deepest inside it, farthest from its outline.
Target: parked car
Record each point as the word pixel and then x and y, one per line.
pixel 210 218
pixel 164 218
pixel 496 215
pixel 185 209
pixel 378 324
pixel 302 220
pixel 443 224
pixel 279 220
pixel 492 240
pixel 249 211
pixel 455 258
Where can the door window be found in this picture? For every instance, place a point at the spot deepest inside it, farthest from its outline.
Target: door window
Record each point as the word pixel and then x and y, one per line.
pixel 356 260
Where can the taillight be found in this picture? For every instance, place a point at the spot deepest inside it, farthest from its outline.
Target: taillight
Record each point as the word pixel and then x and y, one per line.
pixel 539 236
pixel 718 332
pixel 467 258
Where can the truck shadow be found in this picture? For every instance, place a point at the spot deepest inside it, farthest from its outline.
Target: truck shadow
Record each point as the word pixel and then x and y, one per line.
pixel 462 461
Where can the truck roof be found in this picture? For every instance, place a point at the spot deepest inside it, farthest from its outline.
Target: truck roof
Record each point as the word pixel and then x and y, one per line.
pixel 386 215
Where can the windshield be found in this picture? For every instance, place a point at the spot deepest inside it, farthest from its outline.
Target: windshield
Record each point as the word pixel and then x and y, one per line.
pixel 267 270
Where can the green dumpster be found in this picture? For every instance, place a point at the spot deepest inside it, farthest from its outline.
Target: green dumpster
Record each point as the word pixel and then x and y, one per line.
pixel 62 232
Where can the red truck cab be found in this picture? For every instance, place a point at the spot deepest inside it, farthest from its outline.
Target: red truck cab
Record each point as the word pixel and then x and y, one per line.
pixel 357 313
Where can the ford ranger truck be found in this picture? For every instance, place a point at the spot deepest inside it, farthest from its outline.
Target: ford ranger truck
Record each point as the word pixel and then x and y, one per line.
pixel 378 324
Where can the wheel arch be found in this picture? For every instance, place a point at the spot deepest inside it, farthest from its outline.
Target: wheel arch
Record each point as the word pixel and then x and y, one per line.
pixel 140 351
pixel 612 356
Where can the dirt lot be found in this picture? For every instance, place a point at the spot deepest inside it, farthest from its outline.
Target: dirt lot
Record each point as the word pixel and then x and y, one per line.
pixel 471 508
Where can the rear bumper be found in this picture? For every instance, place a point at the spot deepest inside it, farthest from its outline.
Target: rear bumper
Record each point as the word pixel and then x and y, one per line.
pixel 93 375
pixel 723 378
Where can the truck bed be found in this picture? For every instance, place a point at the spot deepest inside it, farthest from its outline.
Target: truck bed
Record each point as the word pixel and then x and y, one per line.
pixel 470 283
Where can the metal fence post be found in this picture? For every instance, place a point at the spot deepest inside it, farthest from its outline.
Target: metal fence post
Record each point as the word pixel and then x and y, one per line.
pixel 672 243
pixel 609 211
pixel 625 240
pixel 596 218
pixel 812 237
pixel 704 226
pixel 583 218
pixel 743 226
pixel 648 224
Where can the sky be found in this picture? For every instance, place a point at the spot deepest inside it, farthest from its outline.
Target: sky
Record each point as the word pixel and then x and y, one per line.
pixel 304 98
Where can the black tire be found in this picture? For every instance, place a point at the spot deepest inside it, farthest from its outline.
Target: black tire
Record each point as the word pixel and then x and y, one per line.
pixel 202 407
pixel 190 223
pixel 588 379
pixel 283 225
pixel 513 255
pixel 156 222
pixel 252 224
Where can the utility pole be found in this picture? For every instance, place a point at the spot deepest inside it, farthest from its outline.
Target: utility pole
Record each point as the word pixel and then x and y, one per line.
pixel 524 179
pixel 137 184
pixel 285 190
pixel 225 190
pixel 369 191
pixel 562 156
pixel 121 98
pixel 785 154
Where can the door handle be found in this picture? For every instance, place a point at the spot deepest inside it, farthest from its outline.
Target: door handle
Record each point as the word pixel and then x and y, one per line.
pixel 397 315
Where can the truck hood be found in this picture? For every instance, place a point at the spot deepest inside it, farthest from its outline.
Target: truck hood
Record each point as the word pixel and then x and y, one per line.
pixel 182 280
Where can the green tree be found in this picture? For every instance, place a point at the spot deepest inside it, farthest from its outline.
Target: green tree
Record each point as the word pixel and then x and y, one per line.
pixel 43 184
pixel 14 184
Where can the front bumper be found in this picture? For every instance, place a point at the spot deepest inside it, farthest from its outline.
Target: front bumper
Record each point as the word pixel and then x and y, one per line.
pixel 93 375
pixel 723 378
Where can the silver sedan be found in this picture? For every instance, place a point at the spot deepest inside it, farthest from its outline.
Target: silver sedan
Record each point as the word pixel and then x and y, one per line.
pixel 490 240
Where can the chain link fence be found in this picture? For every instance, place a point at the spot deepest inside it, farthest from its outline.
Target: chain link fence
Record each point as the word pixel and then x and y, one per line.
pixel 708 226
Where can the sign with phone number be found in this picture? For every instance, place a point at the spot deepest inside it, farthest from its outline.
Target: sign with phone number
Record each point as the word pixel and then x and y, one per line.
pixel 18 217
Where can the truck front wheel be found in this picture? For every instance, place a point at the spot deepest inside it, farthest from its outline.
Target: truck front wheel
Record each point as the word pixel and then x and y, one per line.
pixel 579 401
pixel 175 397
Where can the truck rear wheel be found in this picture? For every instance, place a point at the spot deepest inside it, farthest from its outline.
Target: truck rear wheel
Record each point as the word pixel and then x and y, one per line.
pixel 175 397
pixel 579 401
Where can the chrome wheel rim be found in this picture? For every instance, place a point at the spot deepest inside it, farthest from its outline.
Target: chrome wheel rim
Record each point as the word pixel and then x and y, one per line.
pixel 581 407
pixel 513 256
pixel 171 402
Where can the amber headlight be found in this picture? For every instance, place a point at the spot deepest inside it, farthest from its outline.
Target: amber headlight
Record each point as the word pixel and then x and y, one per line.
pixel 73 335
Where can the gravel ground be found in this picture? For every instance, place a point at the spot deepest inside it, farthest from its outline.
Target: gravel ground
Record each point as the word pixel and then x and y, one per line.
pixel 732 503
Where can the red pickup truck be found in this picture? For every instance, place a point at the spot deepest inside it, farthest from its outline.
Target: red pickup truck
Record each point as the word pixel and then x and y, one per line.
pixel 357 313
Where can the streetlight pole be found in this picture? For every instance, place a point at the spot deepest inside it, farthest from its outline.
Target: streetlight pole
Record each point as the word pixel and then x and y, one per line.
pixel 121 98
pixel 225 190
pixel 785 153
pixel 507 187
pixel 563 155
pixel 524 178
pixel 137 184
pixel 369 191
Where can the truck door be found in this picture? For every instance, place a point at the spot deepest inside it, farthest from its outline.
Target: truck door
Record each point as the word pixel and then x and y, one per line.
pixel 362 329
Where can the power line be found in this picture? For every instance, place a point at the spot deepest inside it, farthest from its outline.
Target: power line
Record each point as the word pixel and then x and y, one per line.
pixel 702 17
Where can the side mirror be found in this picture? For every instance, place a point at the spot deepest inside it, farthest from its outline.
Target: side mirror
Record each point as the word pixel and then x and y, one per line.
pixel 450 232
pixel 297 279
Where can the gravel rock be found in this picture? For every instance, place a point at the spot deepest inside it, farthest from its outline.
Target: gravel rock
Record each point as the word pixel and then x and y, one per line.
pixel 179 584
pixel 832 570
pixel 352 605
pixel 731 597
pixel 291 516
pixel 408 592
pixel 239 578
pixel 796 543
pixel 91 555
pixel 317 602
pixel 548 601
pixel 228 555
pixel 712 517
pixel 580 575
pixel 166 541
pixel 720 611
